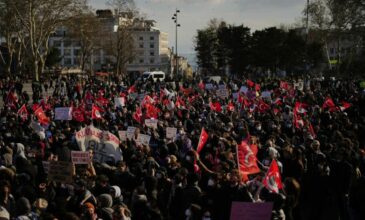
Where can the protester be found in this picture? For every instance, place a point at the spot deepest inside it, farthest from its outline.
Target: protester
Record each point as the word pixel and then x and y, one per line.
pixel 160 150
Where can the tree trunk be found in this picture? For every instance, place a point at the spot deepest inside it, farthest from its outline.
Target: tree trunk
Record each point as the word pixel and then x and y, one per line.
pixel 35 69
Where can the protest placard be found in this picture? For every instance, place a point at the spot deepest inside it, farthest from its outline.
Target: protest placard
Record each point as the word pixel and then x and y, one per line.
pixel 251 211
pixel 209 86
pixel 80 157
pixel 130 132
pixel 266 95
pixel 221 86
pixel 143 139
pixel 63 113
pixel 243 89
pixel 171 132
pixel 104 144
pixel 222 93
pixel 60 171
pixel 45 166
pixel 122 135
pixel 151 123
pixel 119 102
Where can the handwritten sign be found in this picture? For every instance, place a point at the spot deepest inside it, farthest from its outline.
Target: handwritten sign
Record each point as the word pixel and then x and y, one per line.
pixel 45 166
pixel 80 157
pixel 60 171
pixel 151 123
pixel 222 93
pixel 143 139
pixel 251 211
pixel 122 135
pixel 130 132
pixel 63 113
pixel 119 102
pixel 171 132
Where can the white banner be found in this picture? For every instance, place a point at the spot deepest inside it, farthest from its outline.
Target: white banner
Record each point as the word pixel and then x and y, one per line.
pixel 104 144
pixel 119 102
pixel 80 157
pixel 151 123
pixel 130 132
pixel 143 139
pixel 122 135
pixel 171 132
pixel 222 93
pixel 63 113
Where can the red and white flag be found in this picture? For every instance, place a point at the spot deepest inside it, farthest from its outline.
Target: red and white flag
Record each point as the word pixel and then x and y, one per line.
pixel 329 103
pixel 230 107
pixel 23 113
pixel 216 106
pixel 202 140
pixel 344 105
pixel 78 114
pixel 96 112
pixel 284 85
pixel 42 118
pixel 272 180
pixel 247 161
pixel 263 107
pixel 250 83
pixel 137 115
pixel 132 89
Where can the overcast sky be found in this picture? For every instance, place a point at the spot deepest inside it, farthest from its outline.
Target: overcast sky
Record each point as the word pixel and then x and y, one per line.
pixel 195 14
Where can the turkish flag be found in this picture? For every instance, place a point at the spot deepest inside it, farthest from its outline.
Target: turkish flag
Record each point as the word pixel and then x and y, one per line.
pixel 102 101
pixel 230 107
pixel 132 89
pixel 202 140
pixel 257 87
pixel 186 91
pixel 42 118
pixel 262 106
pixel 278 101
pixel 216 106
pixel 300 108
pixel 138 115
pixel 11 99
pixel 345 105
pixel 284 85
pixel 180 102
pixel 328 103
pixel 247 161
pixel 151 111
pixel 96 112
pixel 23 113
pixel 272 180
pixel 78 114
pixel 250 83
pixel 201 86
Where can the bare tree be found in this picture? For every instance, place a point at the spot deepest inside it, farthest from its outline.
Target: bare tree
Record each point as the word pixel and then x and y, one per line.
pixel 39 20
pixel 86 29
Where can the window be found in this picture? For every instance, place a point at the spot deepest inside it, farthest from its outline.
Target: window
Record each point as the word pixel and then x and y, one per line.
pixel 67 52
pixel 77 52
pixel 141 38
pixel 140 45
pixel 67 43
pixel 152 45
pixel 141 61
pixel 57 43
pixel 67 61
pixel 152 38
pixel 152 60
pixel 152 53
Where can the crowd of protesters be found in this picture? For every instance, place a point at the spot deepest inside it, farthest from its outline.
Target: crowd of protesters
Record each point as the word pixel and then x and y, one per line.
pixel 321 157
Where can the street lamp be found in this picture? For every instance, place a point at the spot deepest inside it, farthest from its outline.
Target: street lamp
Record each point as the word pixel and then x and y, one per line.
pixel 176 26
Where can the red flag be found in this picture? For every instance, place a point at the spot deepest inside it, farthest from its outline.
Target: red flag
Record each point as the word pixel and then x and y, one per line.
pixel 102 101
pixel 186 91
pixel 132 89
pixel 23 113
pixel 328 103
pixel 344 105
pixel 78 114
pixel 247 161
pixel 180 102
pixel 201 85
pixel 250 83
pixel 257 87
pixel 297 120
pixel 230 107
pixel 262 106
pixel 278 101
pixel 42 118
pixel 147 100
pixel 151 111
pixel 96 112
pixel 202 140
pixel 311 130
pixel 138 115
pixel 216 106
pixel 284 85
pixel 11 99
pixel 300 108
pixel 272 180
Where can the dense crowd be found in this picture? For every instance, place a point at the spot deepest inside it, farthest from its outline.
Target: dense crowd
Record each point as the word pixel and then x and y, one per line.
pixel 313 128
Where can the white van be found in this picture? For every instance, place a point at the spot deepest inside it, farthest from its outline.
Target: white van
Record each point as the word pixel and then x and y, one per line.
pixel 154 75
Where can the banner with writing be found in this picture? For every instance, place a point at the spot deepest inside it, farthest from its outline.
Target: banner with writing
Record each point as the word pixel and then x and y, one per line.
pixel 80 157
pixel 171 132
pixel 63 113
pixel 122 135
pixel 151 123
pixel 104 144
